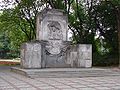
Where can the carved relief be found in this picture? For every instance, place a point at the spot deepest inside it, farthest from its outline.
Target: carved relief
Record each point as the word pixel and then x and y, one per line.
pixel 55 38
pixel 55 31
pixel 54 46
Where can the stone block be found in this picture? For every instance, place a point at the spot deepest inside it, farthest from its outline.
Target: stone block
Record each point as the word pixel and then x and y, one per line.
pixel 85 55
pixel 85 63
pixel 46 21
pixel 31 55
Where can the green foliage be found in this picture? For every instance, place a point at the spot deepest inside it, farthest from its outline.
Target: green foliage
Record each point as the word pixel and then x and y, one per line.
pixel 4 45
pixel 91 22
pixel 105 60
pixel 11 35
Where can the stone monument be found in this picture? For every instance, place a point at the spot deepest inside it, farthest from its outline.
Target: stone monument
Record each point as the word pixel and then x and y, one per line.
pixel 51 49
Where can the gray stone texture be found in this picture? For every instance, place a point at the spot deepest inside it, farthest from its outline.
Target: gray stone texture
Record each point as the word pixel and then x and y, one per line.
pixel 52 48
pixel 85 55
pixel 65 72
pixel 80 55
pixel 48 16
pixel 31 55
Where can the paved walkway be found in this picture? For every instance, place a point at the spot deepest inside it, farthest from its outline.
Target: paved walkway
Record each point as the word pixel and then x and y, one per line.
pixel 13 81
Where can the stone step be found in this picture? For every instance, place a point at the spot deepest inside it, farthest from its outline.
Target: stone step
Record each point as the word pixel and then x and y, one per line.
pixel 65 72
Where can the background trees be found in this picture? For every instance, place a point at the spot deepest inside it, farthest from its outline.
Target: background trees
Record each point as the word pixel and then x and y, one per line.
pixel 91 21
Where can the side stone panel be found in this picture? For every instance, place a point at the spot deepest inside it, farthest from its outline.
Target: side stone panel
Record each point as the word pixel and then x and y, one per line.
pixel 85 55
pixel 31 55
pixel 80 55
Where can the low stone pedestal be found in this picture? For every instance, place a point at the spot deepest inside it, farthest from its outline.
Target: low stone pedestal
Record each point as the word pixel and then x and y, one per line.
pixel 65 72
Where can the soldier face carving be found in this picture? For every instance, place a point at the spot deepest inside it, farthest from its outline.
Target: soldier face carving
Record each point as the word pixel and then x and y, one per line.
pixel 55 37
pixel 55 31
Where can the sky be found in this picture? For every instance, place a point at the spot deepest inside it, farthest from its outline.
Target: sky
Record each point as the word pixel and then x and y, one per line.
pixel 3 4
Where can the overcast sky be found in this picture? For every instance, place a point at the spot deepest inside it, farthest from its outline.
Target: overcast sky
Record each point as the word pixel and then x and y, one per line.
pixel 9 4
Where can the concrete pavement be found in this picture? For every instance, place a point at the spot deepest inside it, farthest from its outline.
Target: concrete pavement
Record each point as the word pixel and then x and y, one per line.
pixel 13 81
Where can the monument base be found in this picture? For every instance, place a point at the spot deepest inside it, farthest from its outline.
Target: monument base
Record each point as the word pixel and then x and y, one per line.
pixel 34 55
pixel 64 72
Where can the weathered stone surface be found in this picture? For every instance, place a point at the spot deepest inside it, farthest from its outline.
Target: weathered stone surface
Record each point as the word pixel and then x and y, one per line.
pixel 31 55
pixel 68 73
pixel 80 55
pixel 52 27
pixel 58 58
pixel 72 55
pixel 52 48
pixel 36 55
pixel 85 55
pixel 51 19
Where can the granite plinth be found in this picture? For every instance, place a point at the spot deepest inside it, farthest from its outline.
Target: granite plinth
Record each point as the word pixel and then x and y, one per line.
pixel 65 72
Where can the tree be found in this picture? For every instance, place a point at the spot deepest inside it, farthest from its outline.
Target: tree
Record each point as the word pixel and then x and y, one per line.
pixel 91 22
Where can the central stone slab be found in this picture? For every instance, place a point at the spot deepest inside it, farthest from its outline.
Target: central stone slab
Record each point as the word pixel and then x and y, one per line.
pixel 52 25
